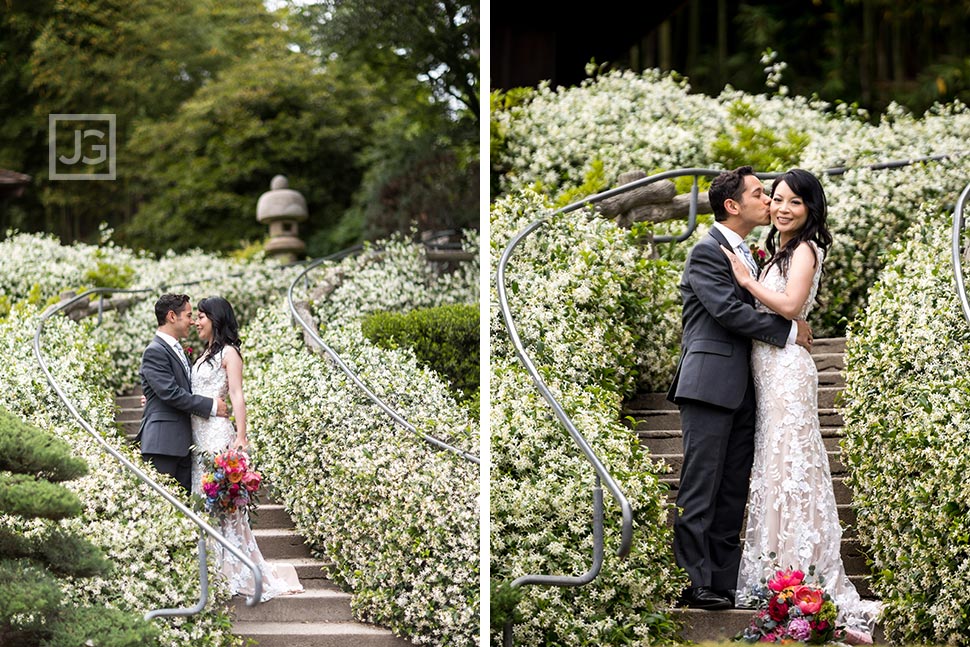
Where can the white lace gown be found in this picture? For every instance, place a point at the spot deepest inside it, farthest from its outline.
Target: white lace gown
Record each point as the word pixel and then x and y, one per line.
pixel 791 505
pixel 212 435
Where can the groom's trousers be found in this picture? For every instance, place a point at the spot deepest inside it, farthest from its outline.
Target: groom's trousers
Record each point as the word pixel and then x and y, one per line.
pixel 713 492
pixel 178 467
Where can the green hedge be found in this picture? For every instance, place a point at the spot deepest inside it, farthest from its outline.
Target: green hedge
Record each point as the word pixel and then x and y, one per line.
pixel 907 430
pixel 445 339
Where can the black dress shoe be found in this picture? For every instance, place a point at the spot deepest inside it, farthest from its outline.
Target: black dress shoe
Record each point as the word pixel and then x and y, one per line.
pixel 702 597
pixel 730 594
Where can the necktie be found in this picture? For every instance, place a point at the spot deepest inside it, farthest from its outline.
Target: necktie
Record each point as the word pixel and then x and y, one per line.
pixel 181 354
pixel 748 259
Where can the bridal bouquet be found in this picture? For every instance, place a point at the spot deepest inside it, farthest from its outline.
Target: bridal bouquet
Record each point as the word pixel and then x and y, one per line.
pixel 229 484
pixel 793 611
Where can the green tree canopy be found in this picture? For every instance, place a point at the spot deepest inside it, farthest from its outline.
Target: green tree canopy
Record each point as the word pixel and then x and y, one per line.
pixel 205 168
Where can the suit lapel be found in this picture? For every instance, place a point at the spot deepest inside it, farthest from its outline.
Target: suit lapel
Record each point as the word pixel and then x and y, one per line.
pixel 743 294
pixel 180 368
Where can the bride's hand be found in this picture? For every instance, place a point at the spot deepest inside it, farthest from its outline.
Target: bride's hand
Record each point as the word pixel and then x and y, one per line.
pixel 741 272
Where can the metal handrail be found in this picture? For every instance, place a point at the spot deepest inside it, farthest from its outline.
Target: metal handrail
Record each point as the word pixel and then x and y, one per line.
pixel 958 223
pixel 308 329
pixel 601 472
pixel 204 527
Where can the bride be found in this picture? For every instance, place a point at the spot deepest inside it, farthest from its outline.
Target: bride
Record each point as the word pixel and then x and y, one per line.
pixel 791 504
pixel 218 372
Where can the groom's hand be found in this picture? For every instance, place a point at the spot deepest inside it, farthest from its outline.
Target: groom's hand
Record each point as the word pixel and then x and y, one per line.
pixel 221 410
pixel 804 335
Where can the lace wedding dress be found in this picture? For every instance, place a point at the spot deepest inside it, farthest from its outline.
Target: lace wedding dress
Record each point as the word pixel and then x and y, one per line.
pixel 212 435
pixel 791 504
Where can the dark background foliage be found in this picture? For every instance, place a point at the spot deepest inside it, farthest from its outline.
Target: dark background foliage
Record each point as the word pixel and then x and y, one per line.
pixel 870 52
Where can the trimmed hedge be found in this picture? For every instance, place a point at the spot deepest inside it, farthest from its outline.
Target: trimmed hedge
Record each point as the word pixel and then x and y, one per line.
pixel 445 339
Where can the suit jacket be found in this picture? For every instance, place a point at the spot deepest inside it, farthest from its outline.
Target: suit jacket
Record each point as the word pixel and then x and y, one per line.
pixel 166 425
pixel 719 322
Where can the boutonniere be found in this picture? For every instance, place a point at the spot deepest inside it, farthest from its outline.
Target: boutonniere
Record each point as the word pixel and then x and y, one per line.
pixel 758 254
pixel 189 353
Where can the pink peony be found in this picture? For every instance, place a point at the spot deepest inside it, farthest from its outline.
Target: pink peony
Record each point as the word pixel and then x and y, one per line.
pixel 252 480
pixel 808 599
pixel 799 629
pixel 784 579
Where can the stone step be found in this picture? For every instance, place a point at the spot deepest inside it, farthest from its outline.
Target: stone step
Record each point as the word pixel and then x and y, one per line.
pixel 721 626
pixel 313 605
pixel 828 345
pixel 847 518
pixel 271 515
pixel 675 461
pixel 130 428
pixel 658 401
pixel 843 495
pixel 129 414
pixel 128 401
pixel 670 441
pixel 275 543
pixel 312 572
pixel 670 419
pixel 317 634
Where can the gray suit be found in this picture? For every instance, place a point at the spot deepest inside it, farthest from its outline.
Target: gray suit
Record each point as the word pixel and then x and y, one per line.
pixel 714 390
pixel 166 427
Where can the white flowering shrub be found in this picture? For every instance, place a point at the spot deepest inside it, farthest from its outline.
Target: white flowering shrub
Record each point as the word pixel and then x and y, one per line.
pixel 623 121
pixel 907 427
pixel 397 518
pixel 596 314
pixel 152 546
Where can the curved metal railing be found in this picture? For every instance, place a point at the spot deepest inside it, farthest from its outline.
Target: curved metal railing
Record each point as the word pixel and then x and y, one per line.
pixel 312 332
pixel 204 527
pixel 956 252
pixel 601 474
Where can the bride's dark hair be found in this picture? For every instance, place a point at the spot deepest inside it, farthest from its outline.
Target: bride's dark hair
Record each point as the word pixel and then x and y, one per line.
pixel 225 329
pixel 807 187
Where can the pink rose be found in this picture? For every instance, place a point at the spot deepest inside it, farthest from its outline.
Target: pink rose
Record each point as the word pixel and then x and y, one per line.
pixel 252 480
pixel 808 599
pixel 785 579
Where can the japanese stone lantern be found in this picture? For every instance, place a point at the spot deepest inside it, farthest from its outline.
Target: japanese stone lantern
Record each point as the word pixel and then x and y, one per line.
pixel 282 209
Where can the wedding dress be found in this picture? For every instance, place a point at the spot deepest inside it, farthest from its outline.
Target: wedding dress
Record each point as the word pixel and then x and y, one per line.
pixel 213 435
pixel 791 504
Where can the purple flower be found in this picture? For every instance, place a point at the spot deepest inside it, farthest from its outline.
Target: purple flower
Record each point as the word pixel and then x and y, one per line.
pixel 799 629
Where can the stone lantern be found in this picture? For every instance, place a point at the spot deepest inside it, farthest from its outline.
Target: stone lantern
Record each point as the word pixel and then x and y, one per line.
pixel 282 209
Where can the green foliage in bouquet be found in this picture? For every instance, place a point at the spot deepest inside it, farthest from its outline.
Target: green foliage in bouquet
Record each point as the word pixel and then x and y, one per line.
pixel 905 406
pixel 32 609
pixel 445 338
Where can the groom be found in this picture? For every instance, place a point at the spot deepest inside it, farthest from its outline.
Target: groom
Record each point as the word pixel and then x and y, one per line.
pixel 166 379
pixel 714 390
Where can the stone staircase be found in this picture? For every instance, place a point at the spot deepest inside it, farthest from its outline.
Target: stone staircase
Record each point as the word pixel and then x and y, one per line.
pixel 657 424
pixel 318 617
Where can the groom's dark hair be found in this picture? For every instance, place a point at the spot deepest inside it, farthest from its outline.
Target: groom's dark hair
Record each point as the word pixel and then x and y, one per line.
pixel 169 303
pixel 729 185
